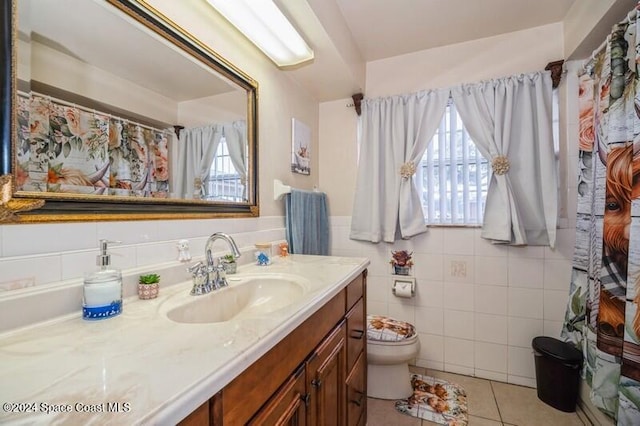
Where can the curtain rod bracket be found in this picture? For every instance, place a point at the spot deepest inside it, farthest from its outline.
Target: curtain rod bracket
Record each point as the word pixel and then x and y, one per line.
pixel 556 71
pixel 357 101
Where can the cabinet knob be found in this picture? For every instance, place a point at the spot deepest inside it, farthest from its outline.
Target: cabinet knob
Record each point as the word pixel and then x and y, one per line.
pixel 306 398
pixel 358 401
pixel 357 334
pixel 316 383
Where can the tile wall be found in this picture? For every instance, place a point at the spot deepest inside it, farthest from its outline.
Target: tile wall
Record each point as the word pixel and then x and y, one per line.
pixel 38 254
pixel 477 305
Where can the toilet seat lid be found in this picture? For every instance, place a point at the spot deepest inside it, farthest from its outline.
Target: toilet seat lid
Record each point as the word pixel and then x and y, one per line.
pixel 387 329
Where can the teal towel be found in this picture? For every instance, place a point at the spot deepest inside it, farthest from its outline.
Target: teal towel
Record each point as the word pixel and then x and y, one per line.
pixel 307 222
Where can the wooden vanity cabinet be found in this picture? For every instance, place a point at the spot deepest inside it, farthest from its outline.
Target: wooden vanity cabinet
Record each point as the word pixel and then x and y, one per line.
pixel 314 376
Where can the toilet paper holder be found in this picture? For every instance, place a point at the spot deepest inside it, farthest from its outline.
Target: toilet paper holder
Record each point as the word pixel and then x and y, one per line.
pixel 400 284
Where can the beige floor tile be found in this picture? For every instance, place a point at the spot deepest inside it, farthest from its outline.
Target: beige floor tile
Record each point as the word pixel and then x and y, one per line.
pixel 520 406
pixel 480 399
pixel 381 412
pixel 481 421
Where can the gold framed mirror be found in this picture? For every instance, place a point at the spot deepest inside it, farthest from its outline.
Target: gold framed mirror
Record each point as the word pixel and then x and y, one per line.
pixel 113 112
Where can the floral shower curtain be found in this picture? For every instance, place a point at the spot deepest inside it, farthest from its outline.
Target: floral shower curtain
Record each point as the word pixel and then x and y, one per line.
pixel 602 317
pixel 62 148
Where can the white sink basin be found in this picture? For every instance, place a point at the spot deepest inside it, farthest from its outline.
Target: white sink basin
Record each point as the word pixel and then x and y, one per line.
pixel 246 296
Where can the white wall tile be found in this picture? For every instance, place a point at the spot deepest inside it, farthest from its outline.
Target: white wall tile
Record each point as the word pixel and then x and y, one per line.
pixel 458 296
pixel 431 242
pixel 522 381
pixel 402 312
pixel 557 274
pixel 523 330
pixel 377 308
pixel 491 357
pixel 458 369
pixel 431 347
pixel 459 352
pixel 490 299
pixel 490 328
pixel 491 270
pixel 521 362
pixel 378 288
pixel 490 375
pixel 428 266
pixel 555 304
pixel 526 252
pixel 33 239
pixel 459 241
pixel 458 324
pixel 526 272
pixel 553 328
pixel 429 293
pixel 486 248
pixel 526 303
pixel 30 270
pixel 130 232
pixel 429 320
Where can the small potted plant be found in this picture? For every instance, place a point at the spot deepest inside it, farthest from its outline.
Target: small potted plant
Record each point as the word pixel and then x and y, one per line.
pixel 229 263
pixel 401 261
pixel 148 286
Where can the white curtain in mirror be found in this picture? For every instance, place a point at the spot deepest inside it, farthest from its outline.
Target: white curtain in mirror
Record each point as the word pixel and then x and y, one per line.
pixel 197 148
pixel 509 120
pixel 236 136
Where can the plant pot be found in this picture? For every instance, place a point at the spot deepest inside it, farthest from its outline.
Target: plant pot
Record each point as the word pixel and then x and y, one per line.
pixel 401 270
pixel 230 268
pixel 148 291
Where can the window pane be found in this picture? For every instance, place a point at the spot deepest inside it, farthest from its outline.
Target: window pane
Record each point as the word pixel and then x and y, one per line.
pixel 455 176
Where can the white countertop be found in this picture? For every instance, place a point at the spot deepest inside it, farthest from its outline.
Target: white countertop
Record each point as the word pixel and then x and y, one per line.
pixel 142 366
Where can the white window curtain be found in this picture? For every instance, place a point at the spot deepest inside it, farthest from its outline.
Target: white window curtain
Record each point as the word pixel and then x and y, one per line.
pixel 510 121
pixel 395 132
pixel 236 136
pixel 197 148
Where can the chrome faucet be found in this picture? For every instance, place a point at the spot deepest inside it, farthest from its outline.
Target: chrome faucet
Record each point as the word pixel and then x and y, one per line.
pixel 211 276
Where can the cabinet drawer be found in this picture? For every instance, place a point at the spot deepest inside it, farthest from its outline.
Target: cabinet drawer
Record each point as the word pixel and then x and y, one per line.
pixel 356 391
pixel 356 333
pixel 355 290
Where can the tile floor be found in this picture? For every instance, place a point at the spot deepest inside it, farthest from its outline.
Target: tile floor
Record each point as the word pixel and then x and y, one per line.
pixel 490 404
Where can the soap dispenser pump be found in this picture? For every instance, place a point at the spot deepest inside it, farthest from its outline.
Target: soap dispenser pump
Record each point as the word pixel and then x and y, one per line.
pixel 102 293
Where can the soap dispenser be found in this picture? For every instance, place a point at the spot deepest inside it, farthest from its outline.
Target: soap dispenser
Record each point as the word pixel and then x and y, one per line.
pixel 102 293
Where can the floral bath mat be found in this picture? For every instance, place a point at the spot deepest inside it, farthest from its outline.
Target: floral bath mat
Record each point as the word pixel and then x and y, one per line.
pixel 435 400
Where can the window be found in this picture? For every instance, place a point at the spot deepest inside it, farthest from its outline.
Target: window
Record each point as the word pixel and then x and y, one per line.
pixel 224 181
pixel 454 175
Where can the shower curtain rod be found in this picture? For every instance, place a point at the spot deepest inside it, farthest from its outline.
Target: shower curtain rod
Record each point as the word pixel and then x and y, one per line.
pixel 91 110
pixel 631 16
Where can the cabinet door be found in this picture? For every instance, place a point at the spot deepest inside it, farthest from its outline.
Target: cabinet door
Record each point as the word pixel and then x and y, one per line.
pixel 356 391
pixel 287 406
pixel 197 418
pixel 326 374
pixel 355 333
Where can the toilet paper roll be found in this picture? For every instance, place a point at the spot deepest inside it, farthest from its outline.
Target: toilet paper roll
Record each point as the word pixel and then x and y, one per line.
pixel 403 288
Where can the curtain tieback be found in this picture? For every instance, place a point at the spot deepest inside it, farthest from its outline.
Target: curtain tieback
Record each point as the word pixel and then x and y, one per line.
pixel 407 170
pixel 500 164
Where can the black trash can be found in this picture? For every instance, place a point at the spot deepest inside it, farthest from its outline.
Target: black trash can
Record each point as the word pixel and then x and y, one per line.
pixel 558 366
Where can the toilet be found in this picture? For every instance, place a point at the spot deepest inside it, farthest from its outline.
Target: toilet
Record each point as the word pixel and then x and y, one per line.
pixel 391 344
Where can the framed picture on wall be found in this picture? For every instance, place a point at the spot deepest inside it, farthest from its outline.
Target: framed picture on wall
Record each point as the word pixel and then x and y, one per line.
pixel 300 147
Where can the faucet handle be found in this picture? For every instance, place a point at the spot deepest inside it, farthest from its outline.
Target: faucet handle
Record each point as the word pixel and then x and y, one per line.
pixel 196 268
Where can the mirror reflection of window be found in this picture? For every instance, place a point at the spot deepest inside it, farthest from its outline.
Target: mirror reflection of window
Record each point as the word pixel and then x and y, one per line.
pixel 224 182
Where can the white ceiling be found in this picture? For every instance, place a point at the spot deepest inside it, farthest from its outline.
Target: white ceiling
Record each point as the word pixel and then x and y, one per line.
pixel 346 34
pixel 385 28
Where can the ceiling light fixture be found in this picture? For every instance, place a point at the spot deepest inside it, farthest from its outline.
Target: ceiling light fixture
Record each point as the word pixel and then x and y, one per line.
pixel 264 24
